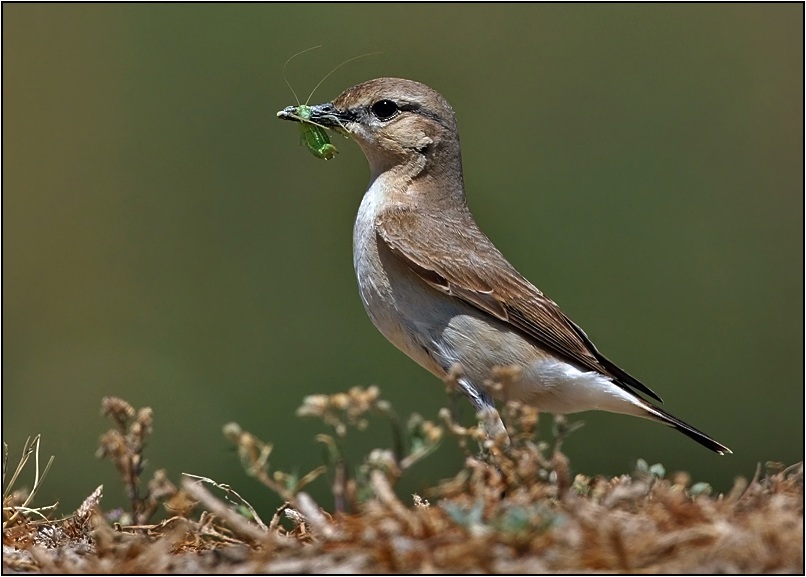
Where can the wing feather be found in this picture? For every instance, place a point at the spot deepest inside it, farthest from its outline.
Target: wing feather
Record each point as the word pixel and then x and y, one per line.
pixel 483 278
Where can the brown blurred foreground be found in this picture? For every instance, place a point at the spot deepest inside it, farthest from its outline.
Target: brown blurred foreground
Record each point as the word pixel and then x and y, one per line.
pixel 515 509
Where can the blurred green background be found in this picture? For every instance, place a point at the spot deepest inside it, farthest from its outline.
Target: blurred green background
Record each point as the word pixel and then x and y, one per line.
pixel 165 239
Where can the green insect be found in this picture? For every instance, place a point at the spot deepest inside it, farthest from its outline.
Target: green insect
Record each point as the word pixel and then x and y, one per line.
pixel 312 134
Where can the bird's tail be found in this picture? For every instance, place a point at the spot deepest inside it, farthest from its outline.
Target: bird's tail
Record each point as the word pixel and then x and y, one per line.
pixel 703 439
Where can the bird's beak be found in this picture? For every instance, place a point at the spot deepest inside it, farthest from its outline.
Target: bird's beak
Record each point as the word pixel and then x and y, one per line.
pixel 325 115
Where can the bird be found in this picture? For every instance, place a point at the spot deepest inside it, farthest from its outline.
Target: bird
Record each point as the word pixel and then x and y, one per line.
pixel 440 291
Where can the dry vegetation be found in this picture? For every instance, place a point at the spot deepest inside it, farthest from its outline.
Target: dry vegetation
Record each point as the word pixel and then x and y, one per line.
pixel 514 509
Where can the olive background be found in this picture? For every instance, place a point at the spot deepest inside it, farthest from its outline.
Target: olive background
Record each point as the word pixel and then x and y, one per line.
pixel 166 239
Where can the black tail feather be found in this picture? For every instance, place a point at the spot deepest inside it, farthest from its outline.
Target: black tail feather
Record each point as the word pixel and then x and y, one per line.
pixel 689 431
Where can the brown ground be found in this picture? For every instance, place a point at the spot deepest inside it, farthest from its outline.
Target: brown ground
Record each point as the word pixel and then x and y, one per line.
pixel 513 510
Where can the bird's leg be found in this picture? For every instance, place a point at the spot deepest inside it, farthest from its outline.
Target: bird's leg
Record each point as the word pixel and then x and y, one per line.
pixel 483 403
pixel 488 415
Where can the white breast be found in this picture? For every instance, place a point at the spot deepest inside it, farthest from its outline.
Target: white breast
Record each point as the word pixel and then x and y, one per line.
pixel 398 303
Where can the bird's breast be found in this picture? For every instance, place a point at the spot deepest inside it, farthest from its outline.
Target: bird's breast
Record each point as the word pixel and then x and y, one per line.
pixel 399 304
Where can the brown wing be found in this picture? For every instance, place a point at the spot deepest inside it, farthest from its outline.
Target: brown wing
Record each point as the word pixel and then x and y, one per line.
pixel 480 275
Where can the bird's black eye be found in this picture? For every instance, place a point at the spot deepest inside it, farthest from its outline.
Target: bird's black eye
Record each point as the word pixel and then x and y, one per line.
pixel 384 109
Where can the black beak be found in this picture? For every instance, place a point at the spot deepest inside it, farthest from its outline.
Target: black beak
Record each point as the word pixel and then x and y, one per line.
pixel 325 115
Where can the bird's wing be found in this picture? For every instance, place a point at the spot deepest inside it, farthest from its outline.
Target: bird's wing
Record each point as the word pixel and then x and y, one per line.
pixel 482 277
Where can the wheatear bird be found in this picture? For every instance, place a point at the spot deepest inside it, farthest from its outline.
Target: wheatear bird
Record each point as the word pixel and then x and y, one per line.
pixel 439 290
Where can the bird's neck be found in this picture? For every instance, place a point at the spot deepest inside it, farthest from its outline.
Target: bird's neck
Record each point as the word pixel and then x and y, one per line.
pixel 435 182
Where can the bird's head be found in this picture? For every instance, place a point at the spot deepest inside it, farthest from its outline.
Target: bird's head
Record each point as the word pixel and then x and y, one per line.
pixel 397 123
